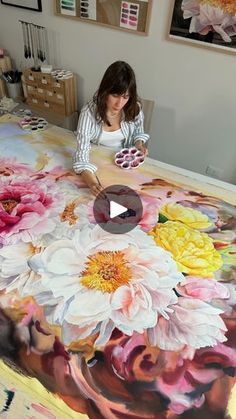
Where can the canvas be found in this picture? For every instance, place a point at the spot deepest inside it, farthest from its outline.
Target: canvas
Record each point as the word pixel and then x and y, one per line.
pixel 210 23
pixel 137 325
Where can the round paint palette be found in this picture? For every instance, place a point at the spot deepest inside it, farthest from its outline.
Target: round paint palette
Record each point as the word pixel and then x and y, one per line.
pixel 129 158
pixel 33 124
pixel 62 74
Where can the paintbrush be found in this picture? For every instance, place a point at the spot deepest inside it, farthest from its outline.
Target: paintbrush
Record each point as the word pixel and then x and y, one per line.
pixel 98 180
pixel 102 193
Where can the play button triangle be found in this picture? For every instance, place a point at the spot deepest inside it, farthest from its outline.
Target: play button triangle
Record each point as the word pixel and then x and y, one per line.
pixel 116 209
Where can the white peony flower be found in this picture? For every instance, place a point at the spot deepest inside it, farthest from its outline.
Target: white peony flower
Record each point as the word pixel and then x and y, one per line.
pixel 206 16
pixel 193 323
pixel 15 273
pixel 103 281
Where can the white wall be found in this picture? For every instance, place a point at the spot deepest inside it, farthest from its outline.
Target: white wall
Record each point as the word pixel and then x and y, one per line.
pixel 194 122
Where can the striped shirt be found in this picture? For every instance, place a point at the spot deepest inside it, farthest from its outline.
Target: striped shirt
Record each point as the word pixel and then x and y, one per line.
pixel 89 130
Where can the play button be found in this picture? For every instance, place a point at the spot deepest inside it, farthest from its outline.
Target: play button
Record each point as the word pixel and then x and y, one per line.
pixel 118 209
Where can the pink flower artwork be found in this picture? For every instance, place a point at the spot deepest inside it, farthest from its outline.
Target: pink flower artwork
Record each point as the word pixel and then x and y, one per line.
pixel 134 325
pixel 209 16
pixel 205 22
pixel 27 209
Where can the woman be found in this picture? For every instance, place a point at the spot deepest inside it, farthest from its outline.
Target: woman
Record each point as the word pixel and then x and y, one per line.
pixel 112 118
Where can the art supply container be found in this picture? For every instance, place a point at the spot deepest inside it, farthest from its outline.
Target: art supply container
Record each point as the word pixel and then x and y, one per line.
pixel 15 90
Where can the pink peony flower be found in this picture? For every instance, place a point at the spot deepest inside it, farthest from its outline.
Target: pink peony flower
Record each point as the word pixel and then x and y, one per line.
pixel 27 209
pixel 202 288
pixel 191 324
pixel 9 166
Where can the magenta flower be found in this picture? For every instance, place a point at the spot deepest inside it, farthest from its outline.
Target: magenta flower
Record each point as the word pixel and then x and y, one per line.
pixel 27 209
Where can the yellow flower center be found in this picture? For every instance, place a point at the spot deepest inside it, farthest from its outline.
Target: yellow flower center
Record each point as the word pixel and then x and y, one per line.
pixel 34 249
pixel 9 205
pixel 68 214
pixel 228 6
pixel 106 271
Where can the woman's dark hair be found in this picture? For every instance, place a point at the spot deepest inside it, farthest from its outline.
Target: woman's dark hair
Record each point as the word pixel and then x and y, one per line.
pixel 119 78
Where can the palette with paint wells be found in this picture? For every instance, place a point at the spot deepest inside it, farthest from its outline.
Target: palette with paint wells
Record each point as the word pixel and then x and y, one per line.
pixel 33 124
pixel 23 113
pixel 129 158
pixel 61 74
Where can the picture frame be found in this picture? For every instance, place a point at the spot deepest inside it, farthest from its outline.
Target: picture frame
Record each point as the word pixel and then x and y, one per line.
pixel 132 16
pixel 35 5
pixel 201 24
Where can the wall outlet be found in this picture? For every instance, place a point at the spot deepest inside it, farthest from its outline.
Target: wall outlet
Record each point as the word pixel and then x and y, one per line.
pixel 215 172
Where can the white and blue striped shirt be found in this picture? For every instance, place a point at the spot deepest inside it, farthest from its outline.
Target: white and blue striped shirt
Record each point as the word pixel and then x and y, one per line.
pixel 89 130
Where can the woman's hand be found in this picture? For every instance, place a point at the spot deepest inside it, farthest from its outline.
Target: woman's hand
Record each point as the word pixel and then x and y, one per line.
pixel 95 188
pixel 139 144
pixel 90 179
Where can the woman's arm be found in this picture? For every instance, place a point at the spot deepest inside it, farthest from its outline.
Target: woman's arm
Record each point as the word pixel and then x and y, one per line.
pixel 81 163
pixel 139 136
pixel 84 135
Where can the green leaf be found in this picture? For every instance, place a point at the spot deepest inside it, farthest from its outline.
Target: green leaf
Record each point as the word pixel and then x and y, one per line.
pixel 162 218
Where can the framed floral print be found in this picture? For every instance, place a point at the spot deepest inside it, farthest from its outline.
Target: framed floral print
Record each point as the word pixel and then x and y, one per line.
pixel 210 23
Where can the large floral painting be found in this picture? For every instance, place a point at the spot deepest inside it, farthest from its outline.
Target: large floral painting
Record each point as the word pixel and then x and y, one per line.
pixel 205 22
pixel 133 325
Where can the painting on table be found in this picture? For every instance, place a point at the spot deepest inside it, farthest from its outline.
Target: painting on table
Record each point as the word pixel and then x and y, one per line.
pixel 136 325
pixel 210 23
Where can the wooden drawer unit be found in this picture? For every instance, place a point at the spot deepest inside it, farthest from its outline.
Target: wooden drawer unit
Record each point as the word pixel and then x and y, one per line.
pixel 55 97
pixel 58 85
pixel 47 92
pixel 45 80
pixel 35 91
pixel 31 77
